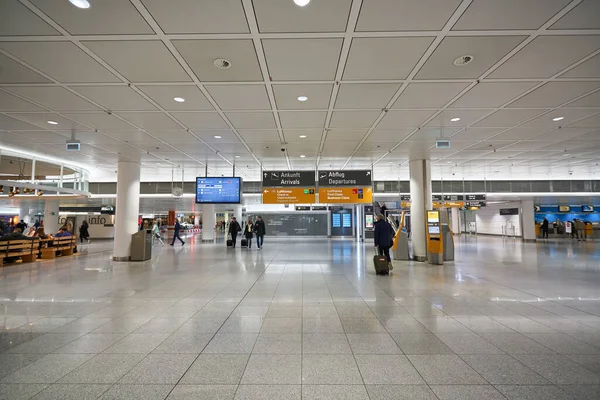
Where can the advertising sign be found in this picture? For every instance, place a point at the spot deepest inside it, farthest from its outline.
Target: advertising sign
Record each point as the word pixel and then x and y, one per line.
pixel 288 196
pixel 346 195
pixel 345 178
pixel 288 179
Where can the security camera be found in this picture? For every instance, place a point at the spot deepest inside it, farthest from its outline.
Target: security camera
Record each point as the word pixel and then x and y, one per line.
pixel 283 149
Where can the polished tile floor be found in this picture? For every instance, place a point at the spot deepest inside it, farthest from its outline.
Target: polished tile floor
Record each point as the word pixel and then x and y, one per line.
pixel 305 319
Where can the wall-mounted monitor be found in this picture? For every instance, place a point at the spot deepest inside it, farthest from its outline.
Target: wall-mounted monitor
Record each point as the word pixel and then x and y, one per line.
pixel 564 209
pixel 587 208
pixel 218 190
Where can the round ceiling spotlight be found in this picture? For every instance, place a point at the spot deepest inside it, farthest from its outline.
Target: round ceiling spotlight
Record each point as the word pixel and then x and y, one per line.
pixel 455 119
pixel 222 63
pixel 217 137
pixel 302 136
pixel 179 99
pixel 53 122
pixel 301 3
pixel 302 98
pixel 237 156
pixel 463 60
pixel 302 156
pixel 558 119
pixel 80 3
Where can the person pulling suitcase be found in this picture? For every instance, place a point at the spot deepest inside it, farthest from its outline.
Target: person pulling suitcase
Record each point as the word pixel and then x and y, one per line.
pixel 384 234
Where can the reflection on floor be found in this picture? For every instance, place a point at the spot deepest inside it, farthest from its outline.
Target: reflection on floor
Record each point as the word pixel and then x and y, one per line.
pixel 308 319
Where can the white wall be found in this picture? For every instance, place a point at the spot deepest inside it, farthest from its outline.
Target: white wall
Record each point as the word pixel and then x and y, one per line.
pixel 490 222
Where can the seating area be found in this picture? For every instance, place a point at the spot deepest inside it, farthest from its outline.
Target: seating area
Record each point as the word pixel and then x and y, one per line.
pixel 28 250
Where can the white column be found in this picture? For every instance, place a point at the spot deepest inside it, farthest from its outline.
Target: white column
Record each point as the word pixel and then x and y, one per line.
pixel 527 220
pixel 25 214
pixel 237 213
pixel 455 220
pixel 51 216
pixel 209 219
pixel 196 220
pixel 420 200
pixel 127 208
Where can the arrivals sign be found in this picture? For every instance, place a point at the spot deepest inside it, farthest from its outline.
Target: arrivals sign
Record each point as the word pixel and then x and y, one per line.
pixel 342 195
pixel 288 179
pixel 345 178
pixel 290 195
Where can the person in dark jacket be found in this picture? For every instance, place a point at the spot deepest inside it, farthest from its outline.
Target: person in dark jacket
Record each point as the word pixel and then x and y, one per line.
pixel 260 229
pixel 21 225
pixel 16 234
pixel 176 232
pixel 545 229
pixel 248 232
pixel 383 238
pixel 83 232
pixel 234 228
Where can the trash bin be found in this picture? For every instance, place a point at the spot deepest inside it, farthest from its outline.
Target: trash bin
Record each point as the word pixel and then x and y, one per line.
pixel 141 245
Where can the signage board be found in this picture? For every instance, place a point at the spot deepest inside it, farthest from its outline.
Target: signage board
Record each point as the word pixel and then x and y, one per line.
pixel 218 190
pixel 346 195
pixel 110 210
pixel 454 197
pixel 345 178
pixel 475 197
pixel 587 208
pixel 564 209
pixel 288 179
pixel 288 195
pixel 405 197
pixel 302 208
pixel 509 211
pixel 476 203
pixel 319 208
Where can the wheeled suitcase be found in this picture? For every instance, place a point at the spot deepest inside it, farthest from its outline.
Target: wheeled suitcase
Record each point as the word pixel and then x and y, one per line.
pixel 244 242
pixel 381 265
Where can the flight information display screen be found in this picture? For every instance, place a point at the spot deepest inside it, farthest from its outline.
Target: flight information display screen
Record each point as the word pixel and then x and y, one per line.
pixel 218 190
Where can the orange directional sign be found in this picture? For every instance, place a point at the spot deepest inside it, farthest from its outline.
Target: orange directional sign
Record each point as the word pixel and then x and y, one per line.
pixel 346 195
pixel 288 195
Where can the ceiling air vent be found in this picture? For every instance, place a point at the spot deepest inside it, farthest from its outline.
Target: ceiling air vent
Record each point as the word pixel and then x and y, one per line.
pixel 222 63
pixel 463 60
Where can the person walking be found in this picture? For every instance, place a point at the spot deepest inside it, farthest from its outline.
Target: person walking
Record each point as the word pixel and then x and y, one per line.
pixel 156 233
pixel 260 229
pixel 248 232
pixel 383 238
pixel 234 228
pixel 545 229
pixel 83 232
pixel 176 232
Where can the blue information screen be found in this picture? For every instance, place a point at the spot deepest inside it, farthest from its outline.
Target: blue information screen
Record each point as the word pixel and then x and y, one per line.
pixel 337 221
pixel 347 221
pixel 218 190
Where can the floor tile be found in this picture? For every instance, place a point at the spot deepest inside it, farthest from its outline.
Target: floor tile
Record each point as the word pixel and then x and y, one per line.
pixel 162 325
pixel 362 325
pixel 591 392
pixel 322 325
pixel 387 370
pixel 373 343
pixel 276 343
pixel 282 325
pixel 524 325
pixel 9 363
pixel 71 392
pixel 20 391
pixel 564 344
pixel 445 370
pixel 209 392
pixel 142 343
pixel 91 343
pixel 159 369
pixel 526 392
pixel 503 370
pixel 268 392
pixel 559 369
pixel 468 343
pixel 192 344
pixel 334 392
pixel 200 325
pixel 317 343
pixel 515 343
pixel 82 325
pixel 46 343
pixel 242 325
pixel 137 392
pixel 103 368
pixel 400 392
pixel 467 392
pixel 47 369
pixel 272 369
pixel 403 325
pixel 216 369
pixel 225 343
pixel 443 325
pixel 330 370
pixel 589 361
pixel 483 325
pixel 122 325
pixel 420 343
pixel 284 312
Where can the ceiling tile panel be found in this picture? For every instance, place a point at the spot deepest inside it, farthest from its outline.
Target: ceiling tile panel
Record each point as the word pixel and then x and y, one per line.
pixel 201 120
pixel 345 135
pixel 41 120
pixel 553 94
pixel 13 72
pixel 508 14
pixel 569 115
pixel 63 61
pixel 584 16
pixel 165 95
pixel 285 16
pixel 428 95
pixel 286 96
pixel 399 56
pixel 116 98
pixel 193 16
pixel 467 118
pixel 140 61
pixel 475 134
pixel 55 98
pixel 388 136
pixel 546 56
pixel 587 69
pixel 508 118
pixel 252 120
pixel 485 50
pixel 562 134
pixel 45 136
pixel 224 136
pixel 591 122
pixel 201 56
pixel 146 120
pixel 592 100
pixel 131 136
pixel 8 102
pixel 302 59
pixel 179 135
pixel 518 133
pixel 399 119
pixel 240 97
pixel 302 119
pixel 106 17
pixel 365 95
pixel 405 15
pixel 312 135
pixel 492 94
pixel 353 119
pixel 260 136
pixel 431 134
pixel 18 20
pixel 101 121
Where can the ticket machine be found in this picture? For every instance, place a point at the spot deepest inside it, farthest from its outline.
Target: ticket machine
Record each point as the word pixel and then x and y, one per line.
pixel 435 242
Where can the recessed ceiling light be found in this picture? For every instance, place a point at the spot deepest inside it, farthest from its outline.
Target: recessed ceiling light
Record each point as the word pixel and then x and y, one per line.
pixel 566 155
pixel 301 3
pixel 179 99
pixel 463 60
pixel 302 156
pixel 302 136
pixel 455 119
pixel 302 98
pixel 80 3
pixel 558 119
pixel 237 156
pixel 53 122
pixel 217 137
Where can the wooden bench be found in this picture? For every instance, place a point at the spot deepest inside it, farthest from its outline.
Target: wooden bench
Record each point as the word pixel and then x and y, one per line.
pixel 25 249
pixel 61 246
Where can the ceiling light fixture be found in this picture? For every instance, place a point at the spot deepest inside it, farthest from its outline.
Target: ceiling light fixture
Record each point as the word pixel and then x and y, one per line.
pixel 302 136
pixel 53 122
pixel 455 119
pixel 302 156
pixel 179 99
pixel 566 155
pixel 463 60
pixel 237 156
pixel 302 98
pixel 80 3
pixel 301 3
pixel 558 119
pixel 217 137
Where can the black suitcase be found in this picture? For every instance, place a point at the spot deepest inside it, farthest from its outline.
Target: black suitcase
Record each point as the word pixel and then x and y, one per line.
pixel 244 242
pixel 229 243
pixel 381 265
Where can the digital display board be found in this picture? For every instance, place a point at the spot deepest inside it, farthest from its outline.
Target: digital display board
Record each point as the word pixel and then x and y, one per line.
pixel 218 190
